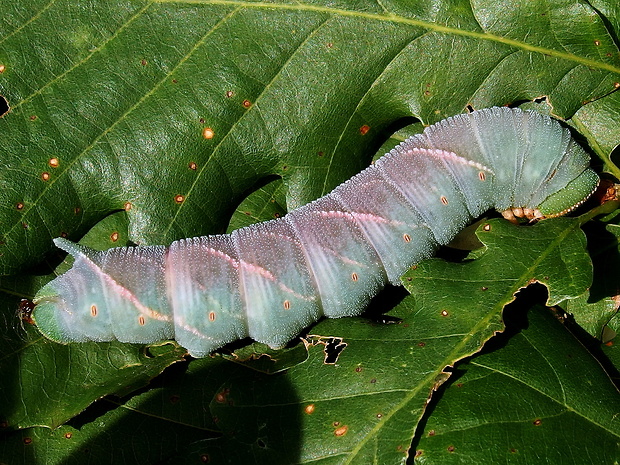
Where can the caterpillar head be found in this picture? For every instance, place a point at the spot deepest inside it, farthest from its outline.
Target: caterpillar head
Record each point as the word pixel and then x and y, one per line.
pixel 559 203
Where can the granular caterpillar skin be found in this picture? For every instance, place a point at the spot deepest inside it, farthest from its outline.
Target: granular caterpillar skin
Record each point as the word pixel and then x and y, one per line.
pixel 328 258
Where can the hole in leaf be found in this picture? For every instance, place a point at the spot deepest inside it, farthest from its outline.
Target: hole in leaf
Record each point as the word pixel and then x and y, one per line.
pixel 4 106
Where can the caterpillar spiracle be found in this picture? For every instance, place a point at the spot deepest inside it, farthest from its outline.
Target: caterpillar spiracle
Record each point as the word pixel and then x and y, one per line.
pixel 328 258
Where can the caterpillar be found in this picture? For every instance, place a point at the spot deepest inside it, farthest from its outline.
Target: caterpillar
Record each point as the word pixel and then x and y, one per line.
pixel 330 257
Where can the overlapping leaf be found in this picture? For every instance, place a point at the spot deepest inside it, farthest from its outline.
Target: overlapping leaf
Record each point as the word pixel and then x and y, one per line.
pixel 528 401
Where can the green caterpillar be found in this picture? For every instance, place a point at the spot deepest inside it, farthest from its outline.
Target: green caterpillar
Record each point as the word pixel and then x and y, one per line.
pixel 328 258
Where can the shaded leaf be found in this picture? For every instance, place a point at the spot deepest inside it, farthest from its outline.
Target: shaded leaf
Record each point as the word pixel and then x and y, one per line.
pixel 543 395
pixel 75 375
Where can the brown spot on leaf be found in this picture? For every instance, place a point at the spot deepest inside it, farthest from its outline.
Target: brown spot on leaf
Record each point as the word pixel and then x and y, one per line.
pixel 364 129
pixel 53 162
pixel 211 316
pixel 309 409
pixel 68 435
pixel 221 397
pixel 192 165
pixel 208 133
pixel 114 236
pixel 451 448
pixel 2 69
pixel 247 103
pixel 93 310
pixel 537 422
pixel 27 440
pixel 341 431
pixel 19 206
pixel 127 206
pixel 141 320
pixel 179 198
pixel 486 227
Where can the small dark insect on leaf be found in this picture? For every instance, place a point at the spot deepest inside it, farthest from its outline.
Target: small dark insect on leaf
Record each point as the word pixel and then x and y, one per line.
pixel 25 311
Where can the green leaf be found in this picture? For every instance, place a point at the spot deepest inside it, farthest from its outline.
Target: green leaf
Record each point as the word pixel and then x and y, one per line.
pixel 119 435
pixel 166 116
pixel 469 297
pixel 264 204
pixel 596 308
pixel 74 377
pixel 375 379
pixel 543 395
pixel 111 110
